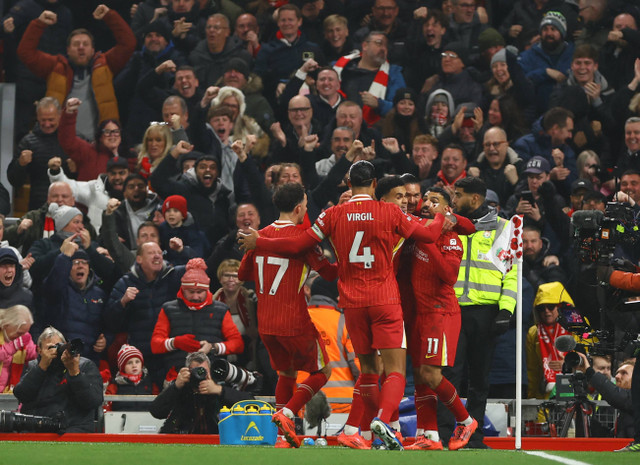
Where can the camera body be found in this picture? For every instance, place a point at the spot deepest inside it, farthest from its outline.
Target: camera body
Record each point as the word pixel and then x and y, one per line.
pixel 597 234
pixel 197 374
pixel 74 346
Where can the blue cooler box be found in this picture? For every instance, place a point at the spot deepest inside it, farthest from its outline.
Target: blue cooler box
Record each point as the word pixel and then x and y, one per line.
pixel 248 423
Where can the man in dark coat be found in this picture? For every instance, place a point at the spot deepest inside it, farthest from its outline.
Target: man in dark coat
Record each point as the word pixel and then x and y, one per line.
pixel 68 385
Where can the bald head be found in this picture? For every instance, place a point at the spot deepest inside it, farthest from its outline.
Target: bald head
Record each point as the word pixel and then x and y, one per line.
pixel 60 193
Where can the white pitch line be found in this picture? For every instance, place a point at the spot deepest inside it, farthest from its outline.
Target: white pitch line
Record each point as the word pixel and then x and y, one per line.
pixel 555 458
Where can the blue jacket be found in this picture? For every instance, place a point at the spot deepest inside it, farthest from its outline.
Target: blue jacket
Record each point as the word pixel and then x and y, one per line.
pixel 535 62
pixel 74 312
pixel 538 143
pixel 139 316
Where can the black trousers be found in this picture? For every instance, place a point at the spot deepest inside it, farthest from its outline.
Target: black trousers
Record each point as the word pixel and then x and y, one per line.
pixel 473 359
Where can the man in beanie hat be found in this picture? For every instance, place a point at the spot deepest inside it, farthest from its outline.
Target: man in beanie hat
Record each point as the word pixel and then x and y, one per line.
pixel 207 198
pixel 237 75
pixel 12 291
pixel 37 224
pixel 97 192
pixel 70 230
pixel 490 42
pixel 159 56
pixel 194 322
pixel 75 299
pixel 180 236
pixel 547 62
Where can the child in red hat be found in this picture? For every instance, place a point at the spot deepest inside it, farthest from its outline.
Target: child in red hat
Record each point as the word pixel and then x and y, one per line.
pixel 179 235
pixel 132 379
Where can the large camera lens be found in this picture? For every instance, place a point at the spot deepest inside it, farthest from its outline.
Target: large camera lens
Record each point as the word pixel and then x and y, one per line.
pixel 17 422
pixel 572 360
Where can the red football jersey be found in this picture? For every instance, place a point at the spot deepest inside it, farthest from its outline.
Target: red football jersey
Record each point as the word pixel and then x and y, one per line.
pixel 365 235
pixel 282 308
pixel 434 272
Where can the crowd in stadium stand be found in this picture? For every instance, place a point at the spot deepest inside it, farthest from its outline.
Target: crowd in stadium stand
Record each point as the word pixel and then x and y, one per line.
pixel 149 133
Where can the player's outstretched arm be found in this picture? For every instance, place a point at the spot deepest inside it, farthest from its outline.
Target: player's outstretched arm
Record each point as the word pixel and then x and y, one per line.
pixel 281 245
pixel 464 226
pixel 431 232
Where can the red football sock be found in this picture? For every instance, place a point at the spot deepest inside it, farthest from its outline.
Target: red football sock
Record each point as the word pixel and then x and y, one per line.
pixel 369 393
pixel 426 401
pixel 390 395
pixel 306 391
pixel 284 390
pixel 450 398
pixel 357 407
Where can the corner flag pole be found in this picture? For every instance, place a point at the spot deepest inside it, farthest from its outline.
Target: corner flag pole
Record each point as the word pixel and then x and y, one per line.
pixel 519 259
pixel 519 358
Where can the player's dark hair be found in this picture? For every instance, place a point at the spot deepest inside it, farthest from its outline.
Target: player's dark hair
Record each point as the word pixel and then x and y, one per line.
pixel 472 185
pixel 287 196
pixel 408 178
pixel 133 177
pixel 362 173
pixel 387 184
pixel 439 190
pixel 596 196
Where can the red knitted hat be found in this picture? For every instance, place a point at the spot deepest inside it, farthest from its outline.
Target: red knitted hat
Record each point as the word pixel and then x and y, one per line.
pixel 175 201
pixel 196 276
pixel 125 354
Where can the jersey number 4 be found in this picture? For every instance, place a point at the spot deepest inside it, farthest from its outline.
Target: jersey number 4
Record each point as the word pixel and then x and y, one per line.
pixel 282 263
pixel 355 256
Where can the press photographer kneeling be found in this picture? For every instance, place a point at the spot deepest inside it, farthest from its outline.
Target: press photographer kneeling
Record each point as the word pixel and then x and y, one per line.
pixel 192 402
pixel 60 384
pixel 627 280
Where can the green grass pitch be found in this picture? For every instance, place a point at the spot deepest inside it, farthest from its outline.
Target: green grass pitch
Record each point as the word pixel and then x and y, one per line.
pixel 46 453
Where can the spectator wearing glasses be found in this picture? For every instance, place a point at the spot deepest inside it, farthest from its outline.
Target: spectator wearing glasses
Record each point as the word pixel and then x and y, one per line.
pixel 455 78
pixel 498 164
pixel 362 75
pixel 211 55
pixel 76 301
pixel 544 361
pixel 90 158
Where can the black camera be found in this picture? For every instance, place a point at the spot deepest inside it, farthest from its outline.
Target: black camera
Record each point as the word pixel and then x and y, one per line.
pixel 597 234
pixel 223 372
pixel 198 374
pixel 17 422
pixel 74 346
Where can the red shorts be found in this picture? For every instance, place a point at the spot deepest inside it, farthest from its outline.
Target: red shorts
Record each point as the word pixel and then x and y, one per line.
pixel 379 327
pixel 304 352
pixel 434 339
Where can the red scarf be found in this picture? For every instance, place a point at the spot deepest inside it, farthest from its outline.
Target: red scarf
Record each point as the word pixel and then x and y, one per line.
pixel 547 336
pixel 145 167
pixel 378 87
pixel 135 379
pixel 196 305
pixel 281 38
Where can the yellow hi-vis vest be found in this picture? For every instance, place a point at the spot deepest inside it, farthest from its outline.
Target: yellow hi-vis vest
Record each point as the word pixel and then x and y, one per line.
pixel 479 281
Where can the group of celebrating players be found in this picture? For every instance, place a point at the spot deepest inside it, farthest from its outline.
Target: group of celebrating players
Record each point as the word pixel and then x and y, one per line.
pixel 371 239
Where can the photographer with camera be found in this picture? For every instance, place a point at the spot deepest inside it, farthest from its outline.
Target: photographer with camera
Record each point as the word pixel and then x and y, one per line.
pixel 627 279
pixel 192 402
pixel 618 395
pixel 61 383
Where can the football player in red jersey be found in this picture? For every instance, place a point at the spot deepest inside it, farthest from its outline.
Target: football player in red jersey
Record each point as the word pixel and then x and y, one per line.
pixel 364 234
pixel 434 338
pixel 284 324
